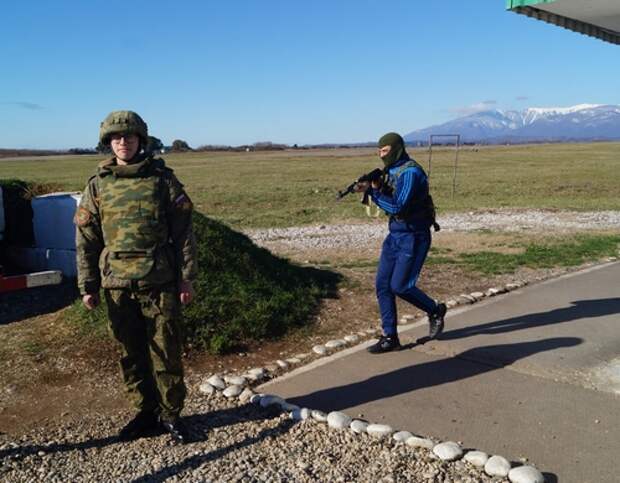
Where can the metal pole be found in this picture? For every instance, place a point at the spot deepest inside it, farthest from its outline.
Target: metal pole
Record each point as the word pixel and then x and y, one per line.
pixel 430 153
pixel 431 138
pixel 456 161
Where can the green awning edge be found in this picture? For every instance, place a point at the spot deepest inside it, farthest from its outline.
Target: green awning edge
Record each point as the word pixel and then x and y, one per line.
pixel 510 4
pixel 584 28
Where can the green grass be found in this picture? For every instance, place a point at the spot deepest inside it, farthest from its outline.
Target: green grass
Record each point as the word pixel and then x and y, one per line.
pixel 243 293
pixel 578 250
pixel 268 189
pixel 33 347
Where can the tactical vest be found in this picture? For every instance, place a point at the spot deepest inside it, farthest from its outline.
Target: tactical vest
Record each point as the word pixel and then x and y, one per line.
pixel 135 230
pixel 421 207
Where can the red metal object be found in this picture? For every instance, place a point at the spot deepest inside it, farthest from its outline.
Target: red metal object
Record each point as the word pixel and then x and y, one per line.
pixel 28 280
pixel 17 282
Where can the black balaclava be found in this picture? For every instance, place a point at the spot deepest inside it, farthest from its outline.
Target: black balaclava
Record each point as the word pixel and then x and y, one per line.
pixel 397 152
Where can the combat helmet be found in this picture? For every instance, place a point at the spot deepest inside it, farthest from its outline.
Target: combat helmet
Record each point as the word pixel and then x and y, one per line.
pixel 127 122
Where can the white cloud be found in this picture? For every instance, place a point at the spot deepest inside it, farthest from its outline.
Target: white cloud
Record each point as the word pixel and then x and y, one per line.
pixel 474 108
pixel 24 105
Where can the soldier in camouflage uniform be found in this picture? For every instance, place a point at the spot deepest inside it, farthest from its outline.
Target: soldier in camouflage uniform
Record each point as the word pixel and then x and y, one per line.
pixel 135 240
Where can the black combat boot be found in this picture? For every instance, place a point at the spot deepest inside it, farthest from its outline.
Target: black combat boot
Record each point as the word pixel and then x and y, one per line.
pixel 143 424
pixel 177 430
pixel 386 343
pixel 435 322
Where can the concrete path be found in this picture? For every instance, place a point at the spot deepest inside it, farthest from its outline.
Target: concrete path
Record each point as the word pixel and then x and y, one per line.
pixel 531 374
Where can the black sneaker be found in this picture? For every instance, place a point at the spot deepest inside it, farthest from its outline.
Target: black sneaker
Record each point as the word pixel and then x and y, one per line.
pixel 143 423
pixel 386 343
pixel 435 322
pixel 177 430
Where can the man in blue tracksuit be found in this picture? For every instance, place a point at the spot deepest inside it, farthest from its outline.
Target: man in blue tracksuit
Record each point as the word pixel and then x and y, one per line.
pixel 403 194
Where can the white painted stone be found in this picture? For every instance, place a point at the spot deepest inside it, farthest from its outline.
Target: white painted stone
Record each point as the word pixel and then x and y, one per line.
pixel 217 382
pixel 320 350
pixel 300 414
pixel 408 317
pixel 282 364
pixel 233 391
pixel 351 339
pixel 417 442
pixel 525 474
pixel 448 451
pixel 450 304
pixel 319 415
pixel 358 426
pixel 293 360
pixel 257 371
pixel 493 291
pixel 370 331
pixel 497 466
pixel 287 406
pixel 246 395
pixel 401 436
pixel 303 356
pixel 476 458
pixel 206 388
pixel 236 380
pixel 512 286
pixel 466 299
pixel 338 420
pixel 477 295
pixel 379 430
pixel 272 368
pixel 334 344
pixel 362 333
pixel 268 400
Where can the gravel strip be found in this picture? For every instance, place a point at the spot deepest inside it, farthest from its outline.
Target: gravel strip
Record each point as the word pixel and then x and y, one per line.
pixel 353 236
pixel 234 443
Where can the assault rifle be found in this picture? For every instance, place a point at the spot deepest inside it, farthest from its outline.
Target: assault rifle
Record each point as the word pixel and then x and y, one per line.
pixel 374 175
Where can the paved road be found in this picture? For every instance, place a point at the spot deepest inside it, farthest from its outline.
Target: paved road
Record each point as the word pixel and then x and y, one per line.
pixel 534 373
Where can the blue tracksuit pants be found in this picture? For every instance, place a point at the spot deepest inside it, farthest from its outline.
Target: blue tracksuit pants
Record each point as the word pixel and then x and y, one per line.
pixel 402 257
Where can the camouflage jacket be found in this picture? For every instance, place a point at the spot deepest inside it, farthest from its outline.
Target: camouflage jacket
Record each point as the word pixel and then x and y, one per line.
pixel 134 228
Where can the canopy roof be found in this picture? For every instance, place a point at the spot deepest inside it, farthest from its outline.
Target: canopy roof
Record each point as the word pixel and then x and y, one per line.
pixel 596 18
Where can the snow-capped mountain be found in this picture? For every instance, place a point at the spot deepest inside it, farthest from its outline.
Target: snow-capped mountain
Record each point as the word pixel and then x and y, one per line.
pixel 584 122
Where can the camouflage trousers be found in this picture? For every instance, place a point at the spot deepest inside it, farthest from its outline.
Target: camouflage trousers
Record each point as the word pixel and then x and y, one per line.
pixel 147 325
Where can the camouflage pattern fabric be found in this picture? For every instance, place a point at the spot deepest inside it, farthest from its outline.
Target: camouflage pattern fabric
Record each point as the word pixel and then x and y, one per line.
pixel 132 225
pixel 134 228
pixel 134 239
pixel 123 122
pixel 147 326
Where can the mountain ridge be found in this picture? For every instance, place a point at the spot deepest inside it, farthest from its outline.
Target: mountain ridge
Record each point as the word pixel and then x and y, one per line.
pixel 582 122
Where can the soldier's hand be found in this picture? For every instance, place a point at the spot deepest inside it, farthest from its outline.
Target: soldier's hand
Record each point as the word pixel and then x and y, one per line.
pixel 186 292
pixel 91 300
pixel 376 184
pixel 361 186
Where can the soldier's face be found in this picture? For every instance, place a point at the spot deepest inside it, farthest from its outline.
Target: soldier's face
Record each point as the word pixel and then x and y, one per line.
pixel 384 151
pixel 124 146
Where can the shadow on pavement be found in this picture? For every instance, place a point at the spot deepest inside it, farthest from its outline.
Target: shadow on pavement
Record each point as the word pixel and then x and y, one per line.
pixel 579 309
pixel 550 477
pixel 428 374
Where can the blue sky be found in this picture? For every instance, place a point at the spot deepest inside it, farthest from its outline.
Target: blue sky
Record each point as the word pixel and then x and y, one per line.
pixel 244 71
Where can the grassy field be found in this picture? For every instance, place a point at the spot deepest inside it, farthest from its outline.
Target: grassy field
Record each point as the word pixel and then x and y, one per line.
pixel 266 189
